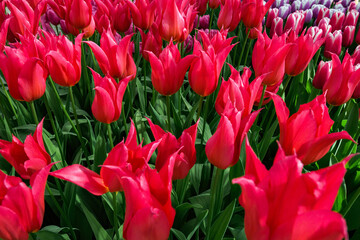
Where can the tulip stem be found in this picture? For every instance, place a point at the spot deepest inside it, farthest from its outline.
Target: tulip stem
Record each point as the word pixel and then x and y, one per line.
pixel 211 18
pixel 70 121
pixel 262 96
pixel 62 213
pixel 247 50
pixel 144 74
pixel 54 129
pixel 110 136
pixel 168 113
pixel 200 106
pixel 204 122
pixel 181 187
pixel 6 122
pixel 216 198
pixel 243 48
pixel 74 110
pixel 285 85
pixel 9 99
pixel 116 232
pixel 33 111
pixel 124 120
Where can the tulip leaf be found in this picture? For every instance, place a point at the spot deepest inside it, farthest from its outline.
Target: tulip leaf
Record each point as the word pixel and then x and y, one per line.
pixel 99 232
pixel 140 93
pixel 267 140
pixel 191 115
pixel 195 176
pixel 100 152
pixel 219 227
pixel 194 226
pixel 178 234
pixel 45 235
pixel 156 116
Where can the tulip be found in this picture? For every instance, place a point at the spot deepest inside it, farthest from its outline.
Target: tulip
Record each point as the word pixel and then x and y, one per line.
pixel 102 16
pixel 333 44
pixel 123 160
pixel 336 20
pixel 295 22
pixel 254 32
pixel 107 103
pixel 64 60
pixel 115 59
pixel 273 13
pixel 79 13
pixel 169 69
pixel 3 33
pixel 24 70
pixel 151 42
pixel 284 11
pixel 277 27
pixel 342 81
pixel 238 91
pixel 269 57
pixel 149 214
pixel 323 13
pixel 143 12
pixel 121 18
pixel 301 52
pixel 176 23
pixel 284 203
pixel 184 146
pixel 325 26
pixel 214 4
pixel 202 22
pixel 305 133
pixel 253 12
pixel 351 18
pixel 223 148
pixel 205 70
pixel 323 73
pixel 230 15
pixel 22 208
pixel 29 157
pixel 348 36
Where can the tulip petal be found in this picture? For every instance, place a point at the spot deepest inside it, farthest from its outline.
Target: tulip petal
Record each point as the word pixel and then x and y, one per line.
pixel 10 226
pixel 100 56
pixel 103 107
pixel 82 177
pixel 254 167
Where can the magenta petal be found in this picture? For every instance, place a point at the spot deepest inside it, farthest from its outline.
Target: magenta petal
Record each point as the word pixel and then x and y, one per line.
pixel 10 226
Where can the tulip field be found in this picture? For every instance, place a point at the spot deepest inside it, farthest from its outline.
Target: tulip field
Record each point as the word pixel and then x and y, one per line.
pixel 179 119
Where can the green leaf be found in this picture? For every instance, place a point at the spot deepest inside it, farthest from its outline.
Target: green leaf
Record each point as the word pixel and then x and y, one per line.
pixel 199 219
pixel 140 93
pixel 178 234
pixel 156 117
pixel 46 235
pixel 219 227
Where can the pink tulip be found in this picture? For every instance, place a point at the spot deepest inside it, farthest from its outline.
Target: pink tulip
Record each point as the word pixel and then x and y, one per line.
pixel 151 42
pixel 333 43
pixel 230 15
pixel 143 12
pixel 79 13
pixel 253 12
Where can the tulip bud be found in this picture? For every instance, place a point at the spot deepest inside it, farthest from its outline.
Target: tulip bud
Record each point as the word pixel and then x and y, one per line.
pixel 295 22
pixel 121 17
pixel 308 15
pixel 351 18
pixel 284 11
pixel 333 43
pixel 273 13
pixel 253 12
pixel 151 42
pixel 325 26
pixel 79 13
pixel 143 13
pixel 230 15
pixel 276 27
pixel 348 36
pixel 337 20
pixel 322 74
pixel 214 4
pixel 323 13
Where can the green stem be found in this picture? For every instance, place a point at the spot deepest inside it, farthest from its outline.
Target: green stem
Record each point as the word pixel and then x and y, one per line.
pixel 85 72
pixel 62 213
pixel 247 50
pixel 33 111
pixel 243 48
pixel 285 85
pixel 236 46
pixel 181 187
pixel 55 130
pixel 262 96
pixel 74 110
pixel 9 99
pixel 110 136
pixel 116 232
pixel 124 121
pixel 199 106
pixel 70 121
pixel 168 113
pixel 205 116
pixel 6 119
pixel 211 18
pixel 144 74
pixel 215 198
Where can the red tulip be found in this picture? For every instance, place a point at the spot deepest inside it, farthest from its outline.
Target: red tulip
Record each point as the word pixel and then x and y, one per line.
pixel 336 20
pixel 107 103
pixel 3 33
pixel 348 36
pixel 205 70
pixel 277 27
pixel 102 16
pixel 342 81
pixel 284 203
pixel 301 52
pixel 269 57
pixel 143 12
pixel 115 59
pixel 333 43
pixel 325 26
pixel 122 161
pixel 238 91
pixel 295 22
pixel 176 22
pixel 323 73
pixel 273 13
pixel 253 12
pixel 22 208
pixel 323 13
pixel 305 133
pixel 64 60
pixel 214 4
pixel 121 18
pixel 230 15
pixel 24 70
pixel 149 214
pixel 169 69
pixel 79 13
pixel 185 145
pixel 351 18
pixel 223 148
pixel 28 157
pixel 151 42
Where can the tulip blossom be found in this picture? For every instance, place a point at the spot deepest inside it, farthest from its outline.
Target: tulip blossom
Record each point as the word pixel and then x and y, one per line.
pixel 269 57
pixel 115 59
pixel 143 12
pixel 79 13
pixel 168 70
pixel 301 52
pixel 223 148
pixel 230 15
pixel 205 70
pixel 348 36
pixel 342 81
pixel 336 20
pixel 151 42
pixel 214 4
pixel 277 27
pixel 3 33
pixel 22 208
pixel 121 18
pixel 351 18
pixel 24 70
pixel 305 133
pixel 284 203
pixel 107 103
pixel 273 13
pixel 102 16
pixel 253 12
pixel 123 160
pixel 323 73
pixel 323 13
pixel 333 43
pixel 64 59
pixel 28 157
pixel 176 22
pixel 149 214
pixel 238 91
pixel 295 22
pixel 185 145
